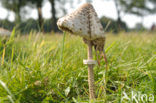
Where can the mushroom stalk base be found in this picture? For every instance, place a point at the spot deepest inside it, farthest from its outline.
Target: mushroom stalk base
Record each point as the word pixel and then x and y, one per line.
pixel 90 73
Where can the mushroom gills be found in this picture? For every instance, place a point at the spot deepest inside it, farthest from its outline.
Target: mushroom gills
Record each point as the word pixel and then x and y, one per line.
pixel 66 29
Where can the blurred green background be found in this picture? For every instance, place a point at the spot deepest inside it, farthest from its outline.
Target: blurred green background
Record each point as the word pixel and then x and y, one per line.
pixel 18 13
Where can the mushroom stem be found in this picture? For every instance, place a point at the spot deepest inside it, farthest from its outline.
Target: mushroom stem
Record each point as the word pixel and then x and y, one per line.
pixel 90 73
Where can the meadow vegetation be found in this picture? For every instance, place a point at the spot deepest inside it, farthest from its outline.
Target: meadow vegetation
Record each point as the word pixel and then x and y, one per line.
pixel 46 68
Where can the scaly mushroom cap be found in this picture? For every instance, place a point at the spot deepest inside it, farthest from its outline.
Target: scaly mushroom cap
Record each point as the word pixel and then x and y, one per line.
pixel 4 32
pixel 83 22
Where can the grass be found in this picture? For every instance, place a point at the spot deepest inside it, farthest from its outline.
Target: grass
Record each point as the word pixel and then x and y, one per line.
pixel 39 69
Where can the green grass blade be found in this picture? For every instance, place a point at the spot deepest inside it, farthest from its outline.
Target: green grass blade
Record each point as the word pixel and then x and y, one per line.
pixel 62 49
pixel 11 96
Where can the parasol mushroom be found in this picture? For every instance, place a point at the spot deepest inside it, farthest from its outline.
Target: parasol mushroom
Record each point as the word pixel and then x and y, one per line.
pixel 85 23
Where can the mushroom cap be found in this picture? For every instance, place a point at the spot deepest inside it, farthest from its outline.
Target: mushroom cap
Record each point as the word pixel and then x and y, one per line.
pixel 4 32
pixel 83 22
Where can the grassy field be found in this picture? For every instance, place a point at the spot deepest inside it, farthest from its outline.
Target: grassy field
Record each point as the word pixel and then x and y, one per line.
pixel 44 69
